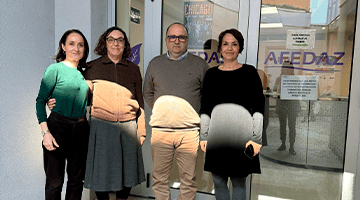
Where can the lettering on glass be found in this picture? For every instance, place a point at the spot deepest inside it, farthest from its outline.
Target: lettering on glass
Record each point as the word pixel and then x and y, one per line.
pixel 276 59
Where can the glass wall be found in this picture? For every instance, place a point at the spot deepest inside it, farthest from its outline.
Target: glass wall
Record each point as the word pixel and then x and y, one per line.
pixel 304 60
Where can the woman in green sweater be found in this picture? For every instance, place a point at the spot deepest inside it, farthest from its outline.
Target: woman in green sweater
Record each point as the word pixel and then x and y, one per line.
pixel 66 130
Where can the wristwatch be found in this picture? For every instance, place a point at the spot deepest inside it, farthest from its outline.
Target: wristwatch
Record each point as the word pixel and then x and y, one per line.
pixel 44 132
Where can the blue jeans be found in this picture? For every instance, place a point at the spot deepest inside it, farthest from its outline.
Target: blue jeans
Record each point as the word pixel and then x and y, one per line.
pixel 72 136
pixel 222 191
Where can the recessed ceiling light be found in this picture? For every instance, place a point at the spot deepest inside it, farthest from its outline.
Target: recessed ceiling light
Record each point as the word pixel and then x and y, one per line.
pixel 271 25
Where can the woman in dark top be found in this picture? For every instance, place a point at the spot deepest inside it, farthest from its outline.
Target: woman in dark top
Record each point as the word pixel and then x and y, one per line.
pixel 65 131
pixel 232 107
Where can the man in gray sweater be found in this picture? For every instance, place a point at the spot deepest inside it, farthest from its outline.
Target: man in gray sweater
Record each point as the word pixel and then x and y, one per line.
pixel 172 90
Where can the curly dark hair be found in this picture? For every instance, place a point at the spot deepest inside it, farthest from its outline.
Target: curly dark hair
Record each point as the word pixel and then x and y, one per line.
pixel 238 36
pixel 60 56
pixel 101 49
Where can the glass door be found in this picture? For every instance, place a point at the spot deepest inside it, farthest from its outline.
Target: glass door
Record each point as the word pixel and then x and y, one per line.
pixel 304 59
pixel 204 21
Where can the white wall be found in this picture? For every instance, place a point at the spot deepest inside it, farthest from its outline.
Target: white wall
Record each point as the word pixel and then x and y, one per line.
pixel 99 23
pixel 72 14
pixel 27 41
pixel 29 35
pixel 90 17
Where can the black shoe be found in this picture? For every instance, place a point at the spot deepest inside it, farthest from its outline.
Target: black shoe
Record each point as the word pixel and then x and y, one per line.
pixel 292 151
pixel 282 147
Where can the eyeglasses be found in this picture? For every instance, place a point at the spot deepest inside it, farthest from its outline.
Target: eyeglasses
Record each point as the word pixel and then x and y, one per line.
pixel 172 38
pixel 112 40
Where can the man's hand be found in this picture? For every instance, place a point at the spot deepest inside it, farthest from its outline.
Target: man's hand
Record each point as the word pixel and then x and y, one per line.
pixel 203 145
pixel 51 103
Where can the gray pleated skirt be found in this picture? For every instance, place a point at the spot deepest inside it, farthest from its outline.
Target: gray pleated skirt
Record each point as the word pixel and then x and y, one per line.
pixel 114 157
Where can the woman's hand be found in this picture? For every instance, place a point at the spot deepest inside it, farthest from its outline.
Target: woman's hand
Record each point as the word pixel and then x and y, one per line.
pixel 203 145
pixel 51 103
pixel 49 142
pixel 256 146
pixel 142 140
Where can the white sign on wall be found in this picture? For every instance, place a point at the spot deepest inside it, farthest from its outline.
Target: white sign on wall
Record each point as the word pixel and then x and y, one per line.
pixel 295 87
pixel 300 39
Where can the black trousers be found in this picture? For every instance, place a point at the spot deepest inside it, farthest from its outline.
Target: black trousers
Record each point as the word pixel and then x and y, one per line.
pixel 72 137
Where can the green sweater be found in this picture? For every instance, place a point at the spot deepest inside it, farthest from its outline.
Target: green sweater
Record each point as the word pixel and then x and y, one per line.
pixel 67 85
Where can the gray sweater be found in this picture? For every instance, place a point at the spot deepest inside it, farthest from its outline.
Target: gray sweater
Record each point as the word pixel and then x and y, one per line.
pixel 178 82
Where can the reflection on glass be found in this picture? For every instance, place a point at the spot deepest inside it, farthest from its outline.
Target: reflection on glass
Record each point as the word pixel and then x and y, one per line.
pixel 316 36
pixel 287 111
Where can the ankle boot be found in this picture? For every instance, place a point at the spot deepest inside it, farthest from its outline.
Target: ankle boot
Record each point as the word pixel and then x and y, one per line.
pixel 282 147
pixel 292 150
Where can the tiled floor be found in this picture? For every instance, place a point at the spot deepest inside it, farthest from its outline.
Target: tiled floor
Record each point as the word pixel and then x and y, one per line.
pixel 299 176
pixel 280 180
pixel 131 197
pixel 138 198
pixel 287 182
pixel 312 144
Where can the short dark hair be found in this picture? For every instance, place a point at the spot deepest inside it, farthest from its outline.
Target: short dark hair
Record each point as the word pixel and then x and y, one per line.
pixel 61 55
pixel 101 49
pixel 187 32
pixel 238 36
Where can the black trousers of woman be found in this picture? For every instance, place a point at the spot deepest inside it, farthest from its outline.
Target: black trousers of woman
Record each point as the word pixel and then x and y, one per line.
pixel 72 136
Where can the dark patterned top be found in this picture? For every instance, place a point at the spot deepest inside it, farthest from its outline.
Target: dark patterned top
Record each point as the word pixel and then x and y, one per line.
pixel 241 86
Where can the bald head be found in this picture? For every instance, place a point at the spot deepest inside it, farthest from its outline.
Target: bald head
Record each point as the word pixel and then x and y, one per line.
pixel 177 24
